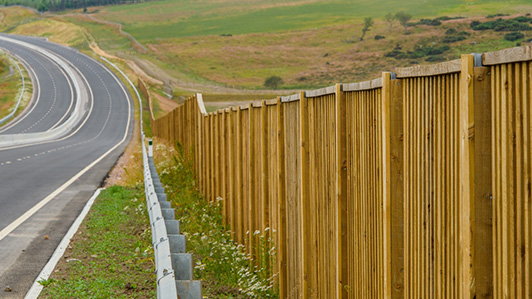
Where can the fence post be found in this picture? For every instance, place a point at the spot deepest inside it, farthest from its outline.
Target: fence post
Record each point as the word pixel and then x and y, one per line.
pixel 281 230
pixel 223 165
pixel 386 195
pixel 231 175
pixel 482 230
pixel 303 136
pixel 253 181
pixel 341 190
pixel 466 178
pixel 396 189
pixel 239 177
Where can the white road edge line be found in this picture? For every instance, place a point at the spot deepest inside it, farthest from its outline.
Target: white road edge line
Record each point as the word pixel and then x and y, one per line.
pixel 12 226
pixel 36 288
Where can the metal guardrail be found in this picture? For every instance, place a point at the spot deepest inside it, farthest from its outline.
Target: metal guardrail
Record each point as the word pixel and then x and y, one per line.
pixel 12 113
pixel 173 265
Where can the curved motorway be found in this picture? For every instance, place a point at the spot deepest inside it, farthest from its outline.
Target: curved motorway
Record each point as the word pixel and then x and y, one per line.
pixel 43 186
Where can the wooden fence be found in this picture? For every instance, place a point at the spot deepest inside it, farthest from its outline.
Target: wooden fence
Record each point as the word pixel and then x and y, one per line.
pixel 413 185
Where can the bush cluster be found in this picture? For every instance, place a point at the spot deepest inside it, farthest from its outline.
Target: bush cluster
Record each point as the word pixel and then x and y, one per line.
pixel 418 52
pixel 516 24
pixel 453 38
pixel 513 36
pixel 496 15
pixel 377 37
pixel 430 22
pixel 452 35
pixel 446 18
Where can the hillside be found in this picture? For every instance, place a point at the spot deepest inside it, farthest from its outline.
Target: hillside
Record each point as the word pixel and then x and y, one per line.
pixel 222 46
pixel 308 43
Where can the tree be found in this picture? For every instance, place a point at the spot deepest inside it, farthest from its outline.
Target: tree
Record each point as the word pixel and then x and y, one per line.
pixel 389 18
pixel 403 18
pixel 273 82
pixel 368 22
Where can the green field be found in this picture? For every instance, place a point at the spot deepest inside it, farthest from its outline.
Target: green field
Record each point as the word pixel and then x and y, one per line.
pixel 169 19
pixel 223 45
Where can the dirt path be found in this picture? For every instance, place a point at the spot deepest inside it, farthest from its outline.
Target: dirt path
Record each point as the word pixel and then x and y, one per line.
pixel 165 103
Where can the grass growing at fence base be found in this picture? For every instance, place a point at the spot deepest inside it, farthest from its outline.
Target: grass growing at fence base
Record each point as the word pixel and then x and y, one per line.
pixel 225 269
pixel 111 255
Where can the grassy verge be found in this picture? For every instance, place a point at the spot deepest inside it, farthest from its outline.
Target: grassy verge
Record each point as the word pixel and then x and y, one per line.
pixel 225 269
pixel 11 86
pixel 111 255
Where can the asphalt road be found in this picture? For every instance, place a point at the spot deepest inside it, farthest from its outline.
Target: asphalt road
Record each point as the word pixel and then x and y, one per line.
pixel 44 186
pixel 52 89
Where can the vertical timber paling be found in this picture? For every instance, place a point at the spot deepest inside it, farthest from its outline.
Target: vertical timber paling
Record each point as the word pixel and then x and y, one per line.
pixel 396 189
pixel 466 147
pixel 303 136
pixel 281 230
pixel 385 184
pixel 341 190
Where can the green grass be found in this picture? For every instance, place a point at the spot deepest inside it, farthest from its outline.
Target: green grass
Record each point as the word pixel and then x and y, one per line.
pixel 112 257
pixel 106 36
pixel 225 269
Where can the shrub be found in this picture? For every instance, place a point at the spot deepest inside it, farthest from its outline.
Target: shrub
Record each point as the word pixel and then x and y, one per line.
pixel 496 15
pixel 511 25
pixel 435 58
pixel 273 82
pixel 451 31
pixel 482 27
pixel 398 54
pixel 523 19
pixel 501 25
pixel 415 54
pixel 453 38
pixel 378 37
pixel 474 24
pixel 429 22
pixel 513 36
pixel 446 18
pixel 437 50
